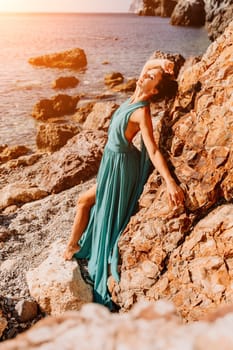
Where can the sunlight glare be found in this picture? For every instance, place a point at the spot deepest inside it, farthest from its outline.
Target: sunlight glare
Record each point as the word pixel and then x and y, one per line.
pixel 64 6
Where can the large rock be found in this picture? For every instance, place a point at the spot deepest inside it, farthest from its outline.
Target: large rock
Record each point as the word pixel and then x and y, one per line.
pixel 18 193
pixel 189 13
pixel 74 163
pixel 149 326
pixel 198 143
pixel 72 59
pixel 57 106
pixel 218 16
pixel 57 285
pixel 52 136
pixel 162 8
pixel 100 116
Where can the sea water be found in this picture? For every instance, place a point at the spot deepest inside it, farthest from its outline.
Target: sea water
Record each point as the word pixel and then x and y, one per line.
pixel 123 41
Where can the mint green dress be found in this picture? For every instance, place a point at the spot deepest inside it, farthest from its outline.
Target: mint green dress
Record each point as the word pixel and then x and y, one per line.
pixel 122 174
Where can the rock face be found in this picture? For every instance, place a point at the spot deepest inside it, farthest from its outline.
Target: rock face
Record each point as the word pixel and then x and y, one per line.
pixel 72 59
pixel 200 147
pixel 57 285
pixel 77 161
pixel 148 326
pixel 199 273
pixel 218 15
pixel 162 8
pixel 57 106
pixel 52 136
pixel 189 13
pixel 100 116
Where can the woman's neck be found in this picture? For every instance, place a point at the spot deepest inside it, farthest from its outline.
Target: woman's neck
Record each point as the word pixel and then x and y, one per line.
pixel 138 95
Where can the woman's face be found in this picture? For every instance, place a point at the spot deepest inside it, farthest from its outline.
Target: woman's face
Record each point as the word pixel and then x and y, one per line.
pixel 149 81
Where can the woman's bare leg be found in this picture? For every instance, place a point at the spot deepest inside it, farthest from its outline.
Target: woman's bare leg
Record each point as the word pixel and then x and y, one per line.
pixel 85 202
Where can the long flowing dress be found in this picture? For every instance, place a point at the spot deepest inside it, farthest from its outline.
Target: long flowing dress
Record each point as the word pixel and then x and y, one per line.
pixel 122 174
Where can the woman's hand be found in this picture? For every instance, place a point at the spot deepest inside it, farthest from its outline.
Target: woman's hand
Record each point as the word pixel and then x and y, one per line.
pixel 168 66
pixel 165 64
pixel 175 194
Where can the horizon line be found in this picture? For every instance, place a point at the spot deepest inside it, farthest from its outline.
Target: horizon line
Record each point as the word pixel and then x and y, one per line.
pixel 64 12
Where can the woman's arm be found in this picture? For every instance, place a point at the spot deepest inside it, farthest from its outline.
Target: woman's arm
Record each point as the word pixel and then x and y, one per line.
pixel 165 64
pixel 176 195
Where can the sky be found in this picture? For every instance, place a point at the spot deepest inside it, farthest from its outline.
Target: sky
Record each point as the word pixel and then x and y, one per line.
pixel 64 5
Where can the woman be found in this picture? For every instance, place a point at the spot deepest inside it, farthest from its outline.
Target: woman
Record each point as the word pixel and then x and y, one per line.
pixel 104 210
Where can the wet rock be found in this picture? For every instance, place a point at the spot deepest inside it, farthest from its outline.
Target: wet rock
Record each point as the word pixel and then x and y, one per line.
pixel 63 289
pixel 18 193
pixel 74 163
pixel 65 83
pixel 52 136
pixel 100 116
pixel 57 106
pixel 128 86
pixel 26 310
pixel 72 59
pixel 12 152
pixel 113 79
pixel 189 13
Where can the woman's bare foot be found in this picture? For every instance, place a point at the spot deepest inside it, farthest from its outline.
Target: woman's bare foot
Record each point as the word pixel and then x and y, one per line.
pixel 70 251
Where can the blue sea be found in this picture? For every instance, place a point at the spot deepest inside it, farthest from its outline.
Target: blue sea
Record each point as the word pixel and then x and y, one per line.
pixel 125 41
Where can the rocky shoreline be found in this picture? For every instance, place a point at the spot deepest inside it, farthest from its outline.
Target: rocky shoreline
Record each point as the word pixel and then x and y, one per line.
pixel 214 14
pixel 183 255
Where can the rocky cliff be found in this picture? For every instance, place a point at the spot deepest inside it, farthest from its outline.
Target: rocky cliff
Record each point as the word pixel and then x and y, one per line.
pixel 185 254
pixel 162 8
pixel 216 14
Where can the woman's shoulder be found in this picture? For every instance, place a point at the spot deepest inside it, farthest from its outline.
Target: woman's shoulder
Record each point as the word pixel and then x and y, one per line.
pixel 140 113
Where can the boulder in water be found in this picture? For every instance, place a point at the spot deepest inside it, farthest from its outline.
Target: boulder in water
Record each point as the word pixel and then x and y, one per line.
pixel 72 59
